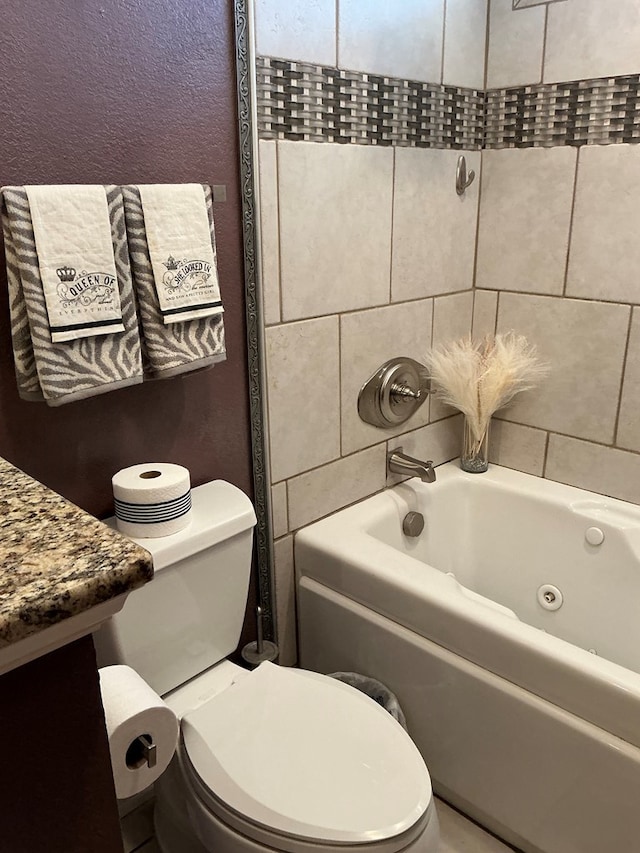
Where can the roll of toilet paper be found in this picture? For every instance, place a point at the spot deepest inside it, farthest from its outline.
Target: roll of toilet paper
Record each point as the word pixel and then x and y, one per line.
pixel 152 500
pixel 142 730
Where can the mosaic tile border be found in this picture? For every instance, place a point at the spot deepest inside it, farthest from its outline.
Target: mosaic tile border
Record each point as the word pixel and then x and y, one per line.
pixel 297 100
pixel 300 101
pixel 600 111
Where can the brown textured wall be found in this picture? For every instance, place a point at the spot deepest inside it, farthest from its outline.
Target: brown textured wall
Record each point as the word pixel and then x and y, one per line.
pixel 120 91
pixel 116 91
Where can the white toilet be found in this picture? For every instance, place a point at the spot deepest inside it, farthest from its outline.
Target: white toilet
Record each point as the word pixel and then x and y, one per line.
pixel 271 760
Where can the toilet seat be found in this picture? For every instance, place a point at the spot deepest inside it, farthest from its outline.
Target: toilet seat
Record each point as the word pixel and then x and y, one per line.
pixel 353 775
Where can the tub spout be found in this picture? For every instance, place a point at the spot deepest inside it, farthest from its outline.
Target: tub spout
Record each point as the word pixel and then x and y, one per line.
pixel 399 463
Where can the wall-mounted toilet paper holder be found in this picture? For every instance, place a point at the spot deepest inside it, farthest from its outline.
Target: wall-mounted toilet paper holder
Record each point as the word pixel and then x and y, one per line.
pixel 141 751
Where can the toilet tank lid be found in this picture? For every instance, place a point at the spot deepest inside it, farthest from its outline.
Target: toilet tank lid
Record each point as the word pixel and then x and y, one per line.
pixel 219 511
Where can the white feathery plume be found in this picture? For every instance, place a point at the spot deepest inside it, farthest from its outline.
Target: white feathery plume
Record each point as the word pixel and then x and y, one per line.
pixel 478 379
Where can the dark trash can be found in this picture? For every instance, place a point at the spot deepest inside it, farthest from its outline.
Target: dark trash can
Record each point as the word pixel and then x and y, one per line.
pixel 376 690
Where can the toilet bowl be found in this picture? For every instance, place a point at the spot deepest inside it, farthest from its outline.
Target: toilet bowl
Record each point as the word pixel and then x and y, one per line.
pixel 291 760
pixel 273 759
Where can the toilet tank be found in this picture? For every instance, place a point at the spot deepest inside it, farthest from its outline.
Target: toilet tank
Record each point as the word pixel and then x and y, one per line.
pixel 190 615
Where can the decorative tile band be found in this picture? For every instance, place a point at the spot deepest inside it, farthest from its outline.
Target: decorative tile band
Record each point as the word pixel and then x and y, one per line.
pixel 306 102
pixel 583 112
pixel 296 100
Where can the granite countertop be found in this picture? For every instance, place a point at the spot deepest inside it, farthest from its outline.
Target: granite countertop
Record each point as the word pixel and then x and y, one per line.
pixel 55 559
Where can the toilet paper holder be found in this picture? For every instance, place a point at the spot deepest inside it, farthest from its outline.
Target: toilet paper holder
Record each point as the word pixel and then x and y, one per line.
pixel 141 751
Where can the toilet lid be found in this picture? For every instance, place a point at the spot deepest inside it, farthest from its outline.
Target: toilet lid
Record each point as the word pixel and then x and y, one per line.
pixel 306 755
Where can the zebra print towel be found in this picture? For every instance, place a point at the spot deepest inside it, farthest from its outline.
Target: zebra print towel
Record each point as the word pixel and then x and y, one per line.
pixel 63 372
pixel 168 350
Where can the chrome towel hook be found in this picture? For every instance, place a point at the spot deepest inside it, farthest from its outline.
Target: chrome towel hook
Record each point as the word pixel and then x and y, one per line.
pixel 462 182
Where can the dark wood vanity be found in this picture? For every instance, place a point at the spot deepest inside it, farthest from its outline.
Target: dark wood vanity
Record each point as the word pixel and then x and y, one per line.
pixel 62 573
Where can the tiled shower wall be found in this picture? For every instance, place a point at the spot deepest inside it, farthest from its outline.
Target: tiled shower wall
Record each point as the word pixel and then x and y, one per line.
pixel 368 252
pixel 558 247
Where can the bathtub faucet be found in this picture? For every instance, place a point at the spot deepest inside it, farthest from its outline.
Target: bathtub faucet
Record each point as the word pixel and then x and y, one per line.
pixel 399 463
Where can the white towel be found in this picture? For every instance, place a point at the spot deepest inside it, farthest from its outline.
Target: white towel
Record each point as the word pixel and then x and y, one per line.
pixel 63 372
pixel 75 255
pixel 181 347
pixel 181 251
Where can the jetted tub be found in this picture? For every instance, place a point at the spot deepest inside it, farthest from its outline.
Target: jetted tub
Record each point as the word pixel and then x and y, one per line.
pixel 527 713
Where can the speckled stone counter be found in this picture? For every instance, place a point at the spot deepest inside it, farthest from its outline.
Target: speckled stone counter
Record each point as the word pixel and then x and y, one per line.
pixel 55 559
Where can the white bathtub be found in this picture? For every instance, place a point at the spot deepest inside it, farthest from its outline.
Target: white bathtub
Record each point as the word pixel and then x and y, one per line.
pixel 528 718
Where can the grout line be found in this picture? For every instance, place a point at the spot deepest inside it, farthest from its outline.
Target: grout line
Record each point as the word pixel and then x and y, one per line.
pixel 495 325
pixel 593 441
pixel 393 203
pixel 544 43
pixel 278 218
pixel 546 455
pixel 474 278
pixel 383 488
pixel 487 39
pixel 340 458
pixel 571 219
pixel 622 378
pixel 286 502
pixel 444 34
pixel 433 322
pixel 377 307
pixel 340 413
pixel 567 297
pixel 473 312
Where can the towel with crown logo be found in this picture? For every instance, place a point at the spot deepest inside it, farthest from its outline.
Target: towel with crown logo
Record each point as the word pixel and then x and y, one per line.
pixel 169 349
pixel 84 366
pixel 181 251
pixel 72 232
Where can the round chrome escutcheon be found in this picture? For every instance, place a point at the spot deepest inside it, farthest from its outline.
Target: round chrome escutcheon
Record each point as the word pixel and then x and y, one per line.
pixel 549 597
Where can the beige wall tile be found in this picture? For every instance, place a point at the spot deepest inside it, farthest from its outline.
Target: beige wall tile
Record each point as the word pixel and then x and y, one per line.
pixel 605 470
pixel 525 213
pixel 516 446
pixel 584 344
pixel 592 38
pixel 434 229
pixel 279 517
pixel 452 317
pixel 335 227
pixel 368 339
pixel 285 601
pixel 515 45
pixel 439 442
pixel 327 489
pixel 303 386
pixel 297 29
pixel 464 43
pixel 485 309
pixel 396 39
pixel 629 423
pixel 269 231
pixel 605 250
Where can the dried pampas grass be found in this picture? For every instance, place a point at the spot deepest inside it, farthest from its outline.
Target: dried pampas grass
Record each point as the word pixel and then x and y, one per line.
pixel 478 379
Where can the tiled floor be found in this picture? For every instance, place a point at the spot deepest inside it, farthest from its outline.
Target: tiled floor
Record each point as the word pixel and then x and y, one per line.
pixel 459 835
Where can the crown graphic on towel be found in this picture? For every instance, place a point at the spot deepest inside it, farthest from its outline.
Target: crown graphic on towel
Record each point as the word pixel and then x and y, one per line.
pixel 66 273
pixel 171 263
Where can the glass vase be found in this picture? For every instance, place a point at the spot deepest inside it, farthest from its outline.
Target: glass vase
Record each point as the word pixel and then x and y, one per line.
pixel 475 453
